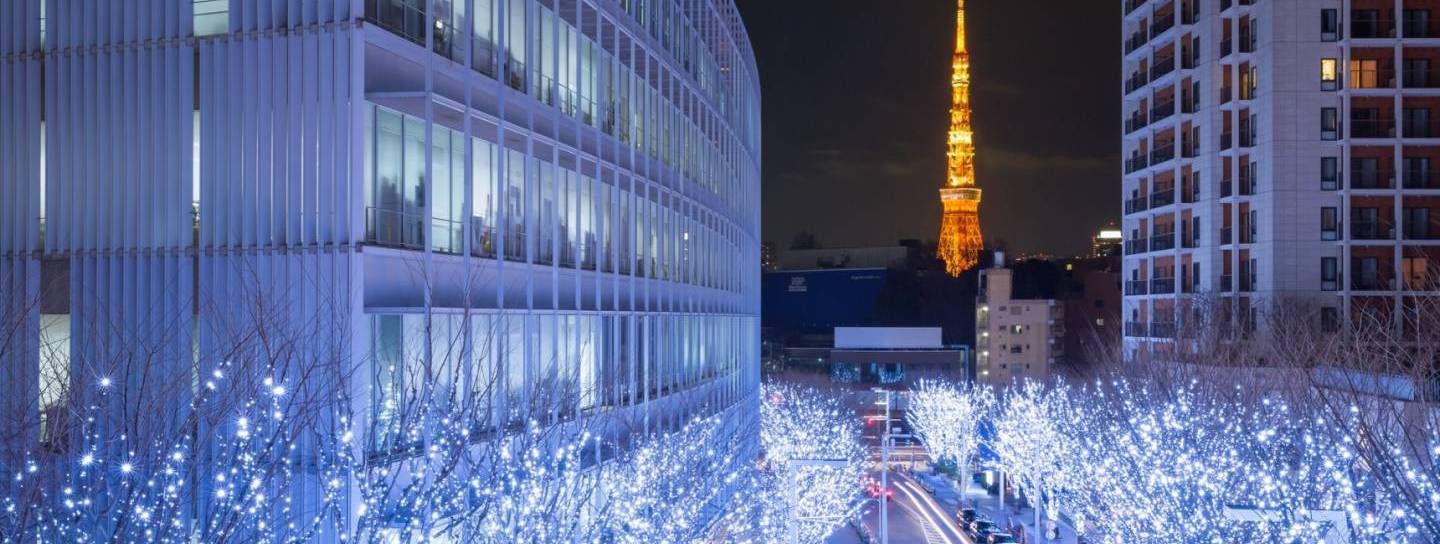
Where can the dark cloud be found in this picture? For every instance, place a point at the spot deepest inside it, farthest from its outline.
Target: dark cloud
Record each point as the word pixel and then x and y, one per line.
pixel 856 94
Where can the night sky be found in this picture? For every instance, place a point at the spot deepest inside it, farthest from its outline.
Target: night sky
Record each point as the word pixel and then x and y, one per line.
pixel 856 99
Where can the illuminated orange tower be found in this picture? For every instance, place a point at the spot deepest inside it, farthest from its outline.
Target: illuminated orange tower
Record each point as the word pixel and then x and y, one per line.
pixel 960 239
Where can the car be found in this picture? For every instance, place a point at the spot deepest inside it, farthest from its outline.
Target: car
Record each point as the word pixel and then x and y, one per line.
pixel 965 516
pixel 873 489
pixel 1000 538
pixel 980 528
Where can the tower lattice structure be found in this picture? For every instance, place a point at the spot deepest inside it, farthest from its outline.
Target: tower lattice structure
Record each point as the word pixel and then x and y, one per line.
pixel 960 239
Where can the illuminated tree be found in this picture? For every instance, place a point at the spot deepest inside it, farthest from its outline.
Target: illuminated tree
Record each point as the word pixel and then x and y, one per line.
pixel 946 418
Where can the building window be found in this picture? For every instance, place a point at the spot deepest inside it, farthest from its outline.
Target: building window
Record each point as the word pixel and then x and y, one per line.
pixel 1329 25
pixel 1329 173
pixel 1329 74
pixel 1329 223
pixel 1364 73
pixel 211 17
pixel 1329 124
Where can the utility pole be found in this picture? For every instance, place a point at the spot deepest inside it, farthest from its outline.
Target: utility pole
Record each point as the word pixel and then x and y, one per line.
pixel 885 471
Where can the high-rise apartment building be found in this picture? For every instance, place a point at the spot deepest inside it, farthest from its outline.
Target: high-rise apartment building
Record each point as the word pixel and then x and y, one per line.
pixel 1274 150
pixel 1015 339
pixel 540 193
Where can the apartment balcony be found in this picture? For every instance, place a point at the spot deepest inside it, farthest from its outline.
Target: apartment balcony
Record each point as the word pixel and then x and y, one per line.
pixel 1135 205
pixel 1189 241
pixel 1162 285
pixel 1162 110
pixel 1136 287
pixel 1421 231
pixel 1137 121
pixel 1248 185
pixel 1362 27
pixel 1247 136
pixel 1161 68
pixel 1190 104
pixel 1162 329
pixel 1135 164
pixel 1227 283
pixel 1132 5
pixel 1190 59
pixel 1135 247
pixel 1160 198
pixel 1422 179
pixel 1421 129
pixel 1189 150
pixel 1247 233
pixel 1162 153
pixel 1372 179
pixel 1226 188
pixel 1136 81
pixel 1247 42
pixel 1421 79
pixel 1136 41
pixel 1420 27
pixel 1225 141
pixel 1371 230
pixel 1137 330
pixel 1192 194
pixel 1225 235
pixel 1161 24
pixel 1247 282
pixel 1372 128
pixel 1369 282
pixel 1163 241
pixel 1226 46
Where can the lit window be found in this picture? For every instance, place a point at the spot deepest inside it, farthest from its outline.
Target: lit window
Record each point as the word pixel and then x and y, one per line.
pixel 1329 74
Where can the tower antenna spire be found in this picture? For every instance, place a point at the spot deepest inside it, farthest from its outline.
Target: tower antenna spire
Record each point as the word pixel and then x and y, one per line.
pixel 960 239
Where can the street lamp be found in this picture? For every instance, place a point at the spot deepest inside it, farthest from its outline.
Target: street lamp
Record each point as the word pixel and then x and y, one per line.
pixel 794 500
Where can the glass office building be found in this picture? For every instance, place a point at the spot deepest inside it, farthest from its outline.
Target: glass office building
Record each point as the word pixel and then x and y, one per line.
pixel 556 192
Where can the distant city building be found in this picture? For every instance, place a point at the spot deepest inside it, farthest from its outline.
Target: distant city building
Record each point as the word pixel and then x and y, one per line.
pixel 1107 242
pixel 767 256
pixel 844 257
pixel 1014 339
pixel 893 354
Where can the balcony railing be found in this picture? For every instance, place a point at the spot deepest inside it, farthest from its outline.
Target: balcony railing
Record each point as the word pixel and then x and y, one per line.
pixel 1136 82
pixel 1371 28
pixel 1420 79
pixel 1161 24
pixel 1225 47
pixel 1162 286
pixel 1248 184
pixel 1189 149
pixel 1137 287
pixel 1132 5
pixel 1422 179
pixel 1137 330
pixel 1135 164
pixel 1189 241
pixel 1421 231
pixel 1226 188
pixel 405 19
pixel 1161 68
pixel 1225 235
pixel 1162 329
pixel 1372 179
pixel 1162 153
pixel 1414 128
pixel 1162 241
pixel 1162 110
pixel 1225 141
pixel 1135 205
pixel 1363 282
pixel 1418 27
pixel 1190 104
pixel 1227 283
pixel 1134 247
pixel 1136 41
pixel 1372 128
pixel 1136 122
pixel 1371 230
pixel 1160 198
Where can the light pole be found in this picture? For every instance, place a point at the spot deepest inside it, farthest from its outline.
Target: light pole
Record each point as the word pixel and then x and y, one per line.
pixel 792 466
pixel 884 469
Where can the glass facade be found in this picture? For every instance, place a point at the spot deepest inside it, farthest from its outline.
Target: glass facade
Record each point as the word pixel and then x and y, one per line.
pixel 614 144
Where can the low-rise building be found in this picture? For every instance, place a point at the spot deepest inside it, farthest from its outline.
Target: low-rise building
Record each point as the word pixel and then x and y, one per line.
pixel 1014 338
